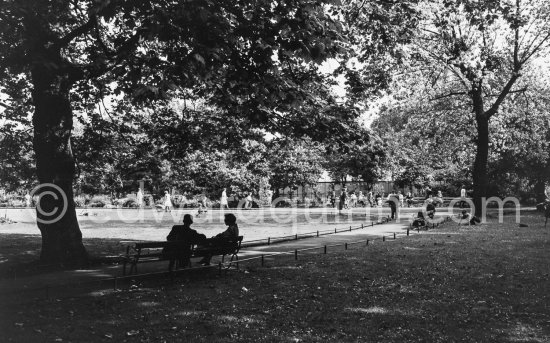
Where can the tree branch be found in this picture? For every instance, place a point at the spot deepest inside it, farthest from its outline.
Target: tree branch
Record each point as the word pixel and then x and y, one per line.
pixel 6 105
pixel 448 95
pixel 521 90
pixel 82 29
pixel 528 55
pixel 102 45
pixel 516 39
pixel 505 91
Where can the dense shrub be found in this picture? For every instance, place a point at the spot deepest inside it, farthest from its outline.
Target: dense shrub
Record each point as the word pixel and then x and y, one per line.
pixel 129 202
pixel 98 203
pixel 81 200
pixel 284 202
pixel 105 199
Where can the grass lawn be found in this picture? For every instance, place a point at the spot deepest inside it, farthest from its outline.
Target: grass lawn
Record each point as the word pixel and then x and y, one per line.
pixel 485 283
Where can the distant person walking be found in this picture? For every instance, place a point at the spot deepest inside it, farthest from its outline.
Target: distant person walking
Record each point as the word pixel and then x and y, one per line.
pixel 393 201
pixel 139 198
pixel 28 200
pixel 462 196
pixel 223 200
pixel 438 200
pixel 361 199
pixel 370 199
pixel 353 200
pixel 248 201
pixel 202 205
pixel 333 199
pixel 343 199
pixel 167 202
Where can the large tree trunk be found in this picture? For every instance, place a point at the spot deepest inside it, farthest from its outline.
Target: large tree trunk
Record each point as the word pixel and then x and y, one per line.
pixel 56 215
pixel 480 177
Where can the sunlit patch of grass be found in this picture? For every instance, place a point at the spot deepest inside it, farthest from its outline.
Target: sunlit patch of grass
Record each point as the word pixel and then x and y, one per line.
pixel 189 313
pixel 370 310
pixel 236 319
pixel 526 333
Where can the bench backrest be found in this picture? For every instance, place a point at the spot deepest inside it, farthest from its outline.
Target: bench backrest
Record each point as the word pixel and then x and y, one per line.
pixel 163 244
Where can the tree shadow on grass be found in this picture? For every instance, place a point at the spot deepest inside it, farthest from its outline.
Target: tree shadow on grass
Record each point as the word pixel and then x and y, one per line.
pixel 20 254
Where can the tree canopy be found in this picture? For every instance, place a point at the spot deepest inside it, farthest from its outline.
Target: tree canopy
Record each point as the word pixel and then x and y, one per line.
pixel 256 61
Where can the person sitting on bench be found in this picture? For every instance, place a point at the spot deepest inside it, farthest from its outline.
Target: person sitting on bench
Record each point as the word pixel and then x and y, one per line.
pixel 183 233
pixel 232 232
pixel 419 221
pixel 430 209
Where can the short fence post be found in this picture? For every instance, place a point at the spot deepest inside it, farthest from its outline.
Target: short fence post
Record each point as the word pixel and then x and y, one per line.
pixel 262 260
pixel 372 224
pixel 346 246
pixel 268 240
pixel 295 254
pixel 362 227
pixel 334 230
pixel 317 233
pixel 325 250
pixel 367 242
pixel 350 228
pixel 383 238
pixel 394 235
pixel 408 228
pixel 296 237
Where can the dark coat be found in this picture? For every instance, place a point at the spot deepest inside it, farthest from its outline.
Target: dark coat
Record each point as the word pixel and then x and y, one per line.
pixel 183 233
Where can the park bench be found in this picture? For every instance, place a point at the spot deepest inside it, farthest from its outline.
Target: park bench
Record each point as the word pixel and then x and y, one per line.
pixel 143 252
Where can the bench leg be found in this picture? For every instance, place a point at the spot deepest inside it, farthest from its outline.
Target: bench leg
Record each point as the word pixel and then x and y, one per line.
pixel 236 258
pixel 126 259
pixel 133 268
